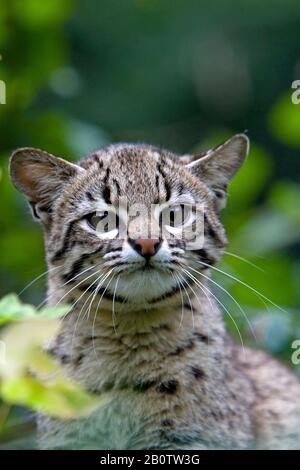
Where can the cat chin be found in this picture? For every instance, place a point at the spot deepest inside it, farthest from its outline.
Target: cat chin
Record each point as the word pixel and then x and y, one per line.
pixel 143 285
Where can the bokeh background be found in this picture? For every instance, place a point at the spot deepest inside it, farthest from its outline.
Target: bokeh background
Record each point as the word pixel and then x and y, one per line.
pixel 182 75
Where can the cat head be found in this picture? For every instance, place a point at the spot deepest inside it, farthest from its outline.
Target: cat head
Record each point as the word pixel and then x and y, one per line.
pixel 130 221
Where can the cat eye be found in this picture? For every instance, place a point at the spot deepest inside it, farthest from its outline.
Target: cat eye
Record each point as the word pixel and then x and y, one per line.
pixel 175 216
pixel 105 223
pixel 95 218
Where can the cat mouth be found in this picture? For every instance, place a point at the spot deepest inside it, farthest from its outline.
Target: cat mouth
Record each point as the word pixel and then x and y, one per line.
pixel 147 267
pixel 142 282
pixel 145 293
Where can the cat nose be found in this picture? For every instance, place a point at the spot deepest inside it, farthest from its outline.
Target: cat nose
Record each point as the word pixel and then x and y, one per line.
pixel 146 247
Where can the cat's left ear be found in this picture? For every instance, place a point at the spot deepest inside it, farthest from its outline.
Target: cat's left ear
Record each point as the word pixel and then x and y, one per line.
pixel 217 166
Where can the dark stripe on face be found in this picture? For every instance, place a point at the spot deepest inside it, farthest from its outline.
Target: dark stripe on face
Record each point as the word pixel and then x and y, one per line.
pixel 65 244
pixel 110 250
pixel 167 189
pixel 106 188
pixel 175 243
pixel 33 209
pixel 115 182
pixel 90 196
pixel 157 182
pixel 76 268
pixel 161 171
pixel 180 189
pixel 209 231
pixel 204 256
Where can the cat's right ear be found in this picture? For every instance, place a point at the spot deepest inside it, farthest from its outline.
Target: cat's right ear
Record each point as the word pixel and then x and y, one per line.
pixel 40 177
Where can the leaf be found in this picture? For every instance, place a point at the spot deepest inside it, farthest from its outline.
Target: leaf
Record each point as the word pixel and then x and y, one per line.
pixel 11 309
pixel 21 340
pixel 53 312
pixel 33 378
pixel 61 398
pixel 29 375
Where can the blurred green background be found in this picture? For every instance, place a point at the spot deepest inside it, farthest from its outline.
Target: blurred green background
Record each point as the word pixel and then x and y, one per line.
pixel 183 75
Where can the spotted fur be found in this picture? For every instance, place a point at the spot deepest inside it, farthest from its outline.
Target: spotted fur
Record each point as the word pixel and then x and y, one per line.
pixel 146 333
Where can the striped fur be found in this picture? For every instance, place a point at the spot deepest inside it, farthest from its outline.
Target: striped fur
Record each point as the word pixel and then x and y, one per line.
pixel 147 333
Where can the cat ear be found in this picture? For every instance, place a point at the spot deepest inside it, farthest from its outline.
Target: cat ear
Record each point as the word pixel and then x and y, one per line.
pixel 40 177
pixel 217 166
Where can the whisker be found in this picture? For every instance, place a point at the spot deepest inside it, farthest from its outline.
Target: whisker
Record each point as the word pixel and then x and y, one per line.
pixel 219 302
pixel 207 296
pixel 259 294
pixel 78 284
pixel 113 304
pixel 187 294
pixel 67 282
pixel 97 308
pixel 37 278
pixel 99 278
pixel 245 260
pixel 80 297
pixel 231 297
pixel 178 282
pixel 97 290
pixel 86 301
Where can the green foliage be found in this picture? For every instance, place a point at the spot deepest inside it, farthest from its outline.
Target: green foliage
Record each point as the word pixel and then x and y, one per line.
pixel 11 309
pixel 28 375
pixel 284 121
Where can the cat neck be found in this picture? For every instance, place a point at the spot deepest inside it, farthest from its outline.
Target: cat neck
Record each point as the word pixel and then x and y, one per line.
pixel 109 346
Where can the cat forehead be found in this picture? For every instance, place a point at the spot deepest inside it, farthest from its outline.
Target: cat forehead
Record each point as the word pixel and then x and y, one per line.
pixel 140 172
pixel 131 155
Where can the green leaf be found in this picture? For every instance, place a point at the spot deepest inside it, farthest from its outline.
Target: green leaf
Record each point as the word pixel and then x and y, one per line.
pixel 11 309
pixel 62 399
pixel 30 376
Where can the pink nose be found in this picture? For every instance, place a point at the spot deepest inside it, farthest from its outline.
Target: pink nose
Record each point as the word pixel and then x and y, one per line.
pixel 146 246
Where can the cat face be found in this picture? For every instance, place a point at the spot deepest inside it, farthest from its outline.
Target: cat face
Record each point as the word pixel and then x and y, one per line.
pixel 128 220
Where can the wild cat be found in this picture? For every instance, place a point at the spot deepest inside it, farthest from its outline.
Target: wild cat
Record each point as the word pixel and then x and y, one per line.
pixel 144 324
